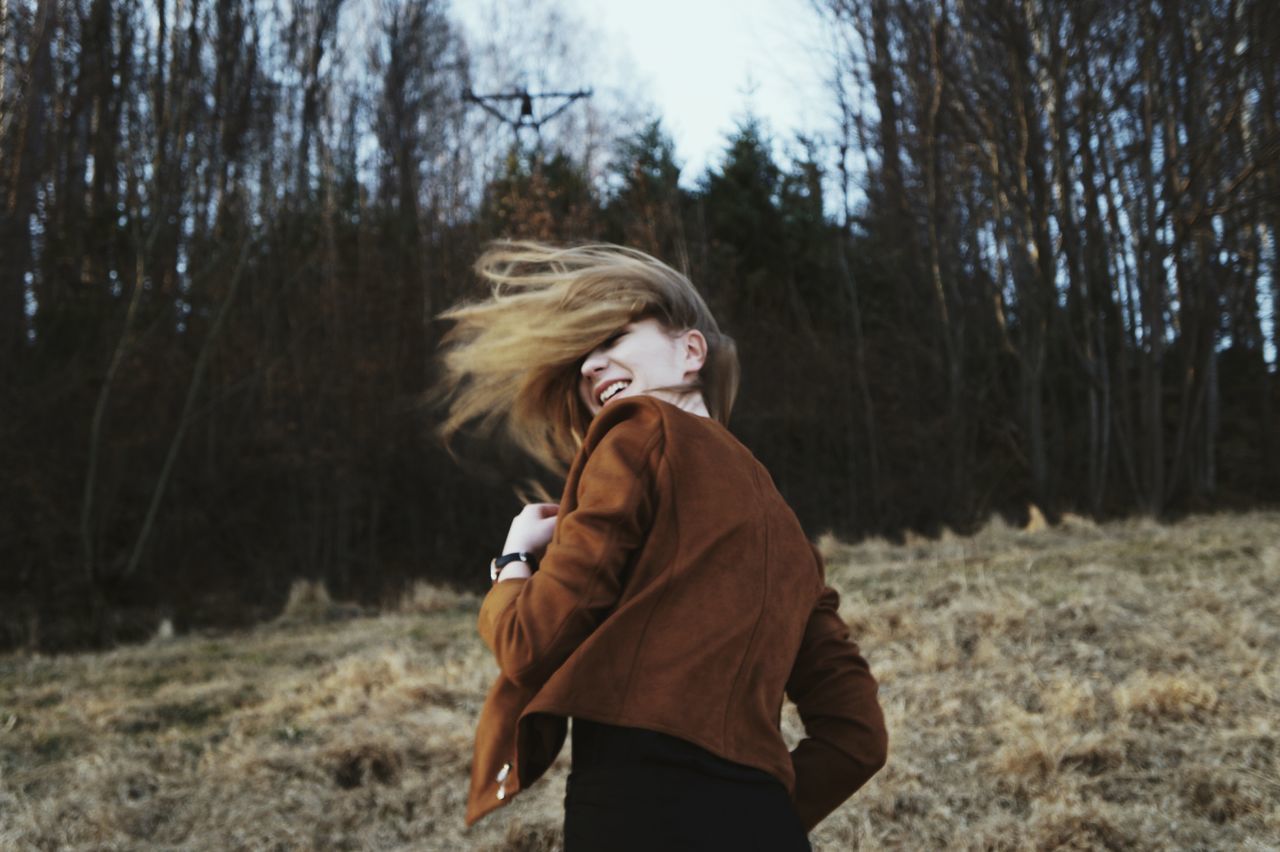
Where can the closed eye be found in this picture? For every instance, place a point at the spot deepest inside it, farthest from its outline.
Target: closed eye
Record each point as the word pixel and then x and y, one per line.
pixel 606 344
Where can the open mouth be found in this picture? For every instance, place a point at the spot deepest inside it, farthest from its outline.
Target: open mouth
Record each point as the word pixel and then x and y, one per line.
pixel 613 390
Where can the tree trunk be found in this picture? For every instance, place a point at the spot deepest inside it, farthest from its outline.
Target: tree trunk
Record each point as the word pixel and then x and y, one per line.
pixel 1151 282
pixel 25 143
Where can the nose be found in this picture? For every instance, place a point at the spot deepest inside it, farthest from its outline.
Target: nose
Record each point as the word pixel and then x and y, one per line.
pixel 594 363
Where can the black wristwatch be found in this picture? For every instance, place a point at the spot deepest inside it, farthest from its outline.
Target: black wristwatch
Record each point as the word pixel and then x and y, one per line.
pixel 496 565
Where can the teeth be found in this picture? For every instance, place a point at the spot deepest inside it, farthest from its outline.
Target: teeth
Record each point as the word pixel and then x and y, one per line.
pixel 608 392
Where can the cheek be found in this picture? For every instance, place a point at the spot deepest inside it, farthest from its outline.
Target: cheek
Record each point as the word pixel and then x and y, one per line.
pixel 675 357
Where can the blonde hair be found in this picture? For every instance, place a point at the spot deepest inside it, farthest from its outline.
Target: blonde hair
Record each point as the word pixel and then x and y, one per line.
pixel 512 360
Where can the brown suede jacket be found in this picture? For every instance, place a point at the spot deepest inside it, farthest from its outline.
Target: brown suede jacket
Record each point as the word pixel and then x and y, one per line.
pixel 678 594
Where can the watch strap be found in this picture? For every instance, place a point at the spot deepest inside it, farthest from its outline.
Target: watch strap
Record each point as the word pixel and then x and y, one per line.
pixel 498 563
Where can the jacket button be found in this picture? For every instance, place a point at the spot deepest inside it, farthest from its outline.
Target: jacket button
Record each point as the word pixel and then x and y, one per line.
pixel 503 772
pixel 502 791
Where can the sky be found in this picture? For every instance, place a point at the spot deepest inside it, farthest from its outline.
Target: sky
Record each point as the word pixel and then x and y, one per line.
pixel 704 64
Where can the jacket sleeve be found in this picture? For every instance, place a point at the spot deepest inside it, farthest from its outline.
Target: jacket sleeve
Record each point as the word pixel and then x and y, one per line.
pixel 532 625
pixel 832 687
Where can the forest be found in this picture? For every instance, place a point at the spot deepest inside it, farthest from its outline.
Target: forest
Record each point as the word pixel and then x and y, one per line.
pixel 1031 262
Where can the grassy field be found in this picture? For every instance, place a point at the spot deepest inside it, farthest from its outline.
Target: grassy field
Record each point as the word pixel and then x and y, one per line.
pixel 1080 687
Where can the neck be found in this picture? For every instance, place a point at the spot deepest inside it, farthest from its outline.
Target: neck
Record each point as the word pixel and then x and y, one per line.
pixel 691 402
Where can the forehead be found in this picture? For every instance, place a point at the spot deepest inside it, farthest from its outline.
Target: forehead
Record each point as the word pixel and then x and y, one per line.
pixel 648 324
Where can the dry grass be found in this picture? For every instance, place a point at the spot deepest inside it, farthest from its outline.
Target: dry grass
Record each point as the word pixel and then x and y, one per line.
pixel 1077 687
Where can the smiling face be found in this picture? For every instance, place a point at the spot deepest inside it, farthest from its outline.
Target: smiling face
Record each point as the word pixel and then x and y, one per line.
pixel 640 358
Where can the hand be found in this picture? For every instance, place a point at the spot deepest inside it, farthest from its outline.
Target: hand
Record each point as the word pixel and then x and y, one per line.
pixel 531 529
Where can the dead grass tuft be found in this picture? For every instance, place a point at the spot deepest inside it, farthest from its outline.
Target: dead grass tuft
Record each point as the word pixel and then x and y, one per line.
pixel 536 837
pixel 1037 746
pixel 1222 795
pixel 1031 752
pixel 1164 696
pixel 356 766
pixel 309 602
pixel 1076 523
pixel 995 529
pixel 1071 698
pixel 164 631
pixel 1081 825
pixel 424 598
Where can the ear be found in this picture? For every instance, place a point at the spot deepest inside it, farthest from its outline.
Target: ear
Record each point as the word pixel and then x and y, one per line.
pixel 694 350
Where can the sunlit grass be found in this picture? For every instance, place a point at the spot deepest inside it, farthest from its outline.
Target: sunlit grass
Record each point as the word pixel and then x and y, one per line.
pixel 1074 687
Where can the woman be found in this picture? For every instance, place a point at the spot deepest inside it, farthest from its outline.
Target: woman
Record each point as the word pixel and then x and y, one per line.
pixel 671 599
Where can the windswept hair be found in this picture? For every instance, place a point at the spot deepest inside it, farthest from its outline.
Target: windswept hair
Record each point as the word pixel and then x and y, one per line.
pixel 512 361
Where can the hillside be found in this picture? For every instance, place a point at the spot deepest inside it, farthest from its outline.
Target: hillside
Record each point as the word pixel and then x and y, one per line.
pixel 1078 687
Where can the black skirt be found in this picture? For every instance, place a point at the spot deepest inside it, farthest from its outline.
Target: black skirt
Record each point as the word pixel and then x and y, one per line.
pixel 633 789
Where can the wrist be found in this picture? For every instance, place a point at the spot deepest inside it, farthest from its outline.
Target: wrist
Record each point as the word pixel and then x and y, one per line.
pixel 521 564
pixel 514 571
